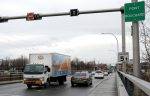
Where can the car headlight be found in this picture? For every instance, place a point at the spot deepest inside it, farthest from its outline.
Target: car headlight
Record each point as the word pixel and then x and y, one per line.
pixel 24 79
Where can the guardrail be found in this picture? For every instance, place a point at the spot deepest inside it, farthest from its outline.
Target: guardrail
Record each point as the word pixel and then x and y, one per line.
pixel 120 87
pixel 141 84
pixel 11 76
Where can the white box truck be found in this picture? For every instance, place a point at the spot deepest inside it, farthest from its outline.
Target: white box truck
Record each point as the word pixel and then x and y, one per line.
pixel 46 68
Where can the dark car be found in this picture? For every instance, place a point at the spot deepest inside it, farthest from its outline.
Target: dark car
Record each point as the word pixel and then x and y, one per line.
pixel 81 78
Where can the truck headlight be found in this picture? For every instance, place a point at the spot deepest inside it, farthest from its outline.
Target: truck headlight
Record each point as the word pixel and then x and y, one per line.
pixel 42 78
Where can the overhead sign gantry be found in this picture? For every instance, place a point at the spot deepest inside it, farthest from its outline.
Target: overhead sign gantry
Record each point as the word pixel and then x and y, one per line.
pixel 73 12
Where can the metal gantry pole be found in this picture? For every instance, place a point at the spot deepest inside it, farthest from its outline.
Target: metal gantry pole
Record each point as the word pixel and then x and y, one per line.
pixel 136 49
pixel 62 14
pixel 136 52
pixel 123 39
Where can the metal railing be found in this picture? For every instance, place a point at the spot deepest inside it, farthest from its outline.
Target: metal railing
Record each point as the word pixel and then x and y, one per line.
pixel 120 87
pixel 141 84
pixel 11 76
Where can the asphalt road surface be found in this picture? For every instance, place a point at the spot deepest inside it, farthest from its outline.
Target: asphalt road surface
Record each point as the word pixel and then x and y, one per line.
pixel 19 89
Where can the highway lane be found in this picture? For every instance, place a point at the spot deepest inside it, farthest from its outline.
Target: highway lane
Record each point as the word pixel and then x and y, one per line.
pixel 19 89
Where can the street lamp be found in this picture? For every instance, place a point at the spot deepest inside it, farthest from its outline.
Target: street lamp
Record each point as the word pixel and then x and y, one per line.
pixel 116 40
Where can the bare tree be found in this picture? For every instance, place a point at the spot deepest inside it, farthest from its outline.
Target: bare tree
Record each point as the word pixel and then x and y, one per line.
pixel 145 33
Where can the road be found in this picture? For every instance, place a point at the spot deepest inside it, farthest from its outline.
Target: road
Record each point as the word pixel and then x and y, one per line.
pixel 19 89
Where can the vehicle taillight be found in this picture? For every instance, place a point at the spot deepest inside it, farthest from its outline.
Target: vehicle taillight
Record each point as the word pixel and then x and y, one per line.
pixel 72 78
pixel 83 77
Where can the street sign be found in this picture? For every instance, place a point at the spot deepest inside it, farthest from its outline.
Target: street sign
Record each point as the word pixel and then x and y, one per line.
pixel 134 11
pixel 123 57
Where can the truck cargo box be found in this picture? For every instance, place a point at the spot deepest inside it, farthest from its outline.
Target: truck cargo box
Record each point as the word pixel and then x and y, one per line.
pixel 59 64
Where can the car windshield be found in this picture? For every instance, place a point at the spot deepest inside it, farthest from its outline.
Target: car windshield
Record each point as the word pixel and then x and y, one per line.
pixel 79 74
pixel 98 72
pixel 34 69
pixel 83 74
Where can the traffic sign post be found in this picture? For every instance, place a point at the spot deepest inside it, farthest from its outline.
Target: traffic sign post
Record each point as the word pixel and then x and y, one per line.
pixel 134 11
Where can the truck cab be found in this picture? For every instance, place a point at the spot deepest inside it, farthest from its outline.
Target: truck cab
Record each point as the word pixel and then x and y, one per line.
pixel 36 75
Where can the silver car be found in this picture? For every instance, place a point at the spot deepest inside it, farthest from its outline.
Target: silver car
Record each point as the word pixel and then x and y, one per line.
pixel 81 78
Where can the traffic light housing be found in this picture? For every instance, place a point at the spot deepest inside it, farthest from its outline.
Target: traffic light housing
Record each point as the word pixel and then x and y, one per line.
pixel 37 17
pixel 31 16
pixel 74 12
pixel 3 20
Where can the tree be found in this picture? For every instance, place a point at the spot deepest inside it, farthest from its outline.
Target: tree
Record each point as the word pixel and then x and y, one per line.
pixel 145 33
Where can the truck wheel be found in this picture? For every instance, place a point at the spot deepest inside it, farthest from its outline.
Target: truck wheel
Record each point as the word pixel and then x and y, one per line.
pixel 46 85
pixel 29 86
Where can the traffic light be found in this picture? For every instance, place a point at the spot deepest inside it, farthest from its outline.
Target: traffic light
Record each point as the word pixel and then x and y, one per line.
pixel 31 16
pixel 3 20
pixel 37 17
pixel 74 12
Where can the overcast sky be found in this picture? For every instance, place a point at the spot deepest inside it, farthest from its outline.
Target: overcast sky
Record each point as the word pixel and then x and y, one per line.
pixel 75 36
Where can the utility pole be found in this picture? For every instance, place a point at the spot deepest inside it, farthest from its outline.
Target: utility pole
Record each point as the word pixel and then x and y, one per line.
pixel 136 52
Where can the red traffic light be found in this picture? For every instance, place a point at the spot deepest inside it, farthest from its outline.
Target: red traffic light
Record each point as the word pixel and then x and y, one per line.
pixel 30 16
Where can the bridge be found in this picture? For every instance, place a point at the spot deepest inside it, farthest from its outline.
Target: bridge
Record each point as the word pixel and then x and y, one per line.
pixel 115 84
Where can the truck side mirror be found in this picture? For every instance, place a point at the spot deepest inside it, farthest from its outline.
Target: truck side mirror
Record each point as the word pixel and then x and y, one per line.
pixel 45 71
pixel 48 69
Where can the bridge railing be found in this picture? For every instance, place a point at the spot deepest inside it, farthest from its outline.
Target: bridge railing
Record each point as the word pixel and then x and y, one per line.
pixel 120 87
pixel 11 76
pixel 131 81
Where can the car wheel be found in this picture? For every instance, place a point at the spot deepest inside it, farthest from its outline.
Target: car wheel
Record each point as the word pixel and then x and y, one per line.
pixel 29 86
pixel 87 83
pixel 91 83
pixel 72 84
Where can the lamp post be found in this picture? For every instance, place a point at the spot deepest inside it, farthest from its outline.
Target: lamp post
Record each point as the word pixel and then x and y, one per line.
pixel 116 41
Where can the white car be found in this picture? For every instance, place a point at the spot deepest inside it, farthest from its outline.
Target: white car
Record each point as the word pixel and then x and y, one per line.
pixel 99 74
pixel 93 73
pixel 105 73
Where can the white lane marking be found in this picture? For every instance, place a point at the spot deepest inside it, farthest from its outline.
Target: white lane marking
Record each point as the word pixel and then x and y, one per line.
pixel 100 82
pixel 8 95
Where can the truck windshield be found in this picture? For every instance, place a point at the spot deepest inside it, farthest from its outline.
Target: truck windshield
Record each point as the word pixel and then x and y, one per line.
pixel 34 69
